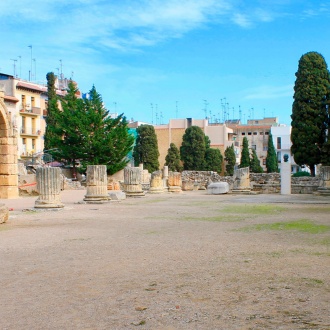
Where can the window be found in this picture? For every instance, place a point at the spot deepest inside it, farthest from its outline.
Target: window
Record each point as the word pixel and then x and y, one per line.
pixel 255 133
pixel 264 161
pixel 266 133
pixel 254 146
pixel 249 133
pixel 243 133
pixel 265 148
pixel 278 156
pixel 23 101
pixel 261 133
pixel 279 143
pixel 34 144
pixel 33 101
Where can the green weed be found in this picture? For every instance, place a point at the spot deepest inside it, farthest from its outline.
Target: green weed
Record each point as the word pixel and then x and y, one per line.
pixel 253 209
pixel 218 218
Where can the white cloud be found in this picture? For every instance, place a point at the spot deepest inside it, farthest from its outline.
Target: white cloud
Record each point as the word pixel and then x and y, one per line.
pixel 269 92
pixel 241 20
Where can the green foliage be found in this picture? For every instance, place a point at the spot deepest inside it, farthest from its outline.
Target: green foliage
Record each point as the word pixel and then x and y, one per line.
pixel 172 159
pixel 52 135
pixel 146 148
pixel 193 149
pixel 300 174
pixel 255 166
pixel 107 139
pixel 310 115
pixel 213 160
pixel 325 151
pixel 245 156
pixel 271 159
pixel 230 158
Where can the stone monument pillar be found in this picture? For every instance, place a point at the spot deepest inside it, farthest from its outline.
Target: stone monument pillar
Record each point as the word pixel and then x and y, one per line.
pixel 286 176
pixel 174 182
pixel 156 183
pixel 96 184
pixel 324 187
pixel 132 182
pixel 241 181
pixel 49 187
pixel 165 178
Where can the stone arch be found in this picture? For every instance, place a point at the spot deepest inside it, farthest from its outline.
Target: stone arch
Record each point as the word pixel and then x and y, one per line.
pixel 8 155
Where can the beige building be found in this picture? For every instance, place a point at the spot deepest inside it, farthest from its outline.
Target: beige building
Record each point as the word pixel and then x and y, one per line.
pixel 257 132
pixel 219 134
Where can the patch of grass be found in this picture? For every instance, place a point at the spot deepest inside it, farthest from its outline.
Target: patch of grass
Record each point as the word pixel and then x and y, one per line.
pixel 319 209
pixel 325 241
pixel 254 209
pixel 218 218
pixel 302 225
pixel 313 281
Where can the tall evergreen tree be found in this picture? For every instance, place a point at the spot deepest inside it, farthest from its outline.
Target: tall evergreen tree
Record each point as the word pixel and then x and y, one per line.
pixel 52 137
pixel 107 139
pixel 213 160
pixel 310 115
pixel 255 166
pixel 172 159
pixel 146 148
pixel 245 155
pixel 193 149
pixel 230 158
pixel 271 158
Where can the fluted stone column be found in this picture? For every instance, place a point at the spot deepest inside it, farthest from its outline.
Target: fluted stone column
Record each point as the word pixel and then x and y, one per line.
pixel 241 181
pixel 156 183
pixel 324 187
pixel 132 182
pixel 174 182
pixel 49 187
pixel 97 184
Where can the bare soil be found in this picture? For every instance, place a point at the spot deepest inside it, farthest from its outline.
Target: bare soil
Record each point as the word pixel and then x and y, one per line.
pixel 170 261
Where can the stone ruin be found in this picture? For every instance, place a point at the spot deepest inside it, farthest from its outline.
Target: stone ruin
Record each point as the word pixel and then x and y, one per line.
pixel 132 182
pixel 241 181
pixel 174 182
pixel 156 183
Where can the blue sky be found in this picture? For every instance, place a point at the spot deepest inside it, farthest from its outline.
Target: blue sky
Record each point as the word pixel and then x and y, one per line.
pixel 159 59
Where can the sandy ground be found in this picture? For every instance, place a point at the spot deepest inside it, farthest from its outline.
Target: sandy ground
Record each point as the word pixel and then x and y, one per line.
pixel 170 261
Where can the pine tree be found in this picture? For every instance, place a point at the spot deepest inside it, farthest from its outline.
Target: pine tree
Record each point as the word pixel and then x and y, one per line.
pixel 255 166
pixel 230 158
pixel 172 159
pixel 108 141
pixel 271 159
pixel 310 116
pixel 52 135
pixel 213 160
pixel 193 149
pixel 146 148
pixel 245 156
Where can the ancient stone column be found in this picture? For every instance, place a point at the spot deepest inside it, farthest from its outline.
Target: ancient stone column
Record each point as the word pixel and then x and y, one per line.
pixel 156 183
pixel 241 180
pixel 324 187
pixel 49 187
pixel 4 213
pixel 97 184
pixel 174 182
pixel 286 177
pixel 132 182
pixel 165 178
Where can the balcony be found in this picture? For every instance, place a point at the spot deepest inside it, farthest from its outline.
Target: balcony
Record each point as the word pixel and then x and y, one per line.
pixel 34 111
pixel 30 131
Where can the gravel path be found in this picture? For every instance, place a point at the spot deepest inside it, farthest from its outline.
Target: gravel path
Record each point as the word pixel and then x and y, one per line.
pixel 170 261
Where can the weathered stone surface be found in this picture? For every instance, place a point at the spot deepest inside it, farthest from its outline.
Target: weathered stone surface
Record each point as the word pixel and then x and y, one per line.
pixel 49 187
pixel 156 183
pixel 285 178
pixel 132 182
pixel 4 213
pixel 218 188
pixel 117 195
pixel 324 185
pixel 174 182
pixel 241 180
pixel 188 185
pixel 96 184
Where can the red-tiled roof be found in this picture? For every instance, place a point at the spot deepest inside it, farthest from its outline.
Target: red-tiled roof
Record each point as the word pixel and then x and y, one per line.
pixel 11 98
pixel 26 85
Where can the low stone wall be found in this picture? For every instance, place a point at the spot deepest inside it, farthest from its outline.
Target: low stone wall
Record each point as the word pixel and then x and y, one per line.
pixel 263 183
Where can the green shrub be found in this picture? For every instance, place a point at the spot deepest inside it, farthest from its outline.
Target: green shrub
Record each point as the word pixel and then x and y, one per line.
pixel 299 174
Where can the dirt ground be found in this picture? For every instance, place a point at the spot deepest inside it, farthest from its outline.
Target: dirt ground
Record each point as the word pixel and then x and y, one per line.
pixel 170 261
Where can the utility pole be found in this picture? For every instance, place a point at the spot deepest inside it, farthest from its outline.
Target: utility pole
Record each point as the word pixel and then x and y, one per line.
pixel 20 66
pixel 14 67
pixel 30 73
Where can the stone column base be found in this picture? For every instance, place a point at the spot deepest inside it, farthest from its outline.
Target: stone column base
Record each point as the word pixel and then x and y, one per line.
pixel 46 204
pixel 175 189
pixel 134 190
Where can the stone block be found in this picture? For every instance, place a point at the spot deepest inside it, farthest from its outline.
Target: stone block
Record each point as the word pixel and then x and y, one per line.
pixel 8 159
pixel 8 140
pixel 8 192
pixel 218 188
pixel 6 149
pixel 117 195
pixel 8 169
pixel 9 180
pixel 4 213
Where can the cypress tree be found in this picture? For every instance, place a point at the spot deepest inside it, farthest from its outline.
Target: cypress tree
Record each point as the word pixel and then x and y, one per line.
pixel 107 139
pixel 172 159
pixel 255 166
pixel 213 160
pixel 230 158
pixel 310 115
pixel 52 135
pixel 146 148
pixel 271 159
pixel 193 149
pixel 245 156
